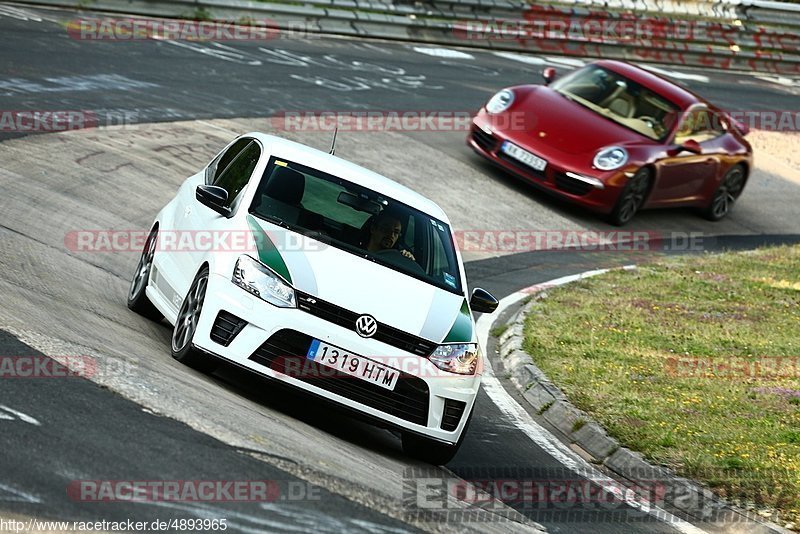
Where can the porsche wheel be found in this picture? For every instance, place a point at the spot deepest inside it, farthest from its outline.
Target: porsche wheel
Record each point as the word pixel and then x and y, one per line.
pixel 726 194
pixel 186 326
pixel 631 199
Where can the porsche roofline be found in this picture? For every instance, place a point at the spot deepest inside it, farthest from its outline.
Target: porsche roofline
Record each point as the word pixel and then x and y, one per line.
pixel 678 95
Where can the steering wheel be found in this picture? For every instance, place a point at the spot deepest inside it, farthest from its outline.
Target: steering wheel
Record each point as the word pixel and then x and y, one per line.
pixel 650 121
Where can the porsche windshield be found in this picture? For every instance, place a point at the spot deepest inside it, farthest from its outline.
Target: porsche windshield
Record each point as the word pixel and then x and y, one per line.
pixel 619 99
pixel 359 221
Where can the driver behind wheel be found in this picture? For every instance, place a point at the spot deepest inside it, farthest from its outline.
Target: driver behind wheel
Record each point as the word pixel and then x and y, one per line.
pixel 384 233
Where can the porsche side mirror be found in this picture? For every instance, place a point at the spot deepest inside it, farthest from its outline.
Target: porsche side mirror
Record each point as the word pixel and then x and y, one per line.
pixel 549 75
pixel 742 127
pixel 214 197
pixel 692 146
pixel 482 301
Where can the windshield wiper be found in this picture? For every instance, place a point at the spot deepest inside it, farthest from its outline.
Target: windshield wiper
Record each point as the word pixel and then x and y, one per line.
pixel 275 220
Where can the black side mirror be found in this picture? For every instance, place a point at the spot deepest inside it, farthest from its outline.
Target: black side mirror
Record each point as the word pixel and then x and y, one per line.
pixel 549 75
pixel 482 301
pixel 214 197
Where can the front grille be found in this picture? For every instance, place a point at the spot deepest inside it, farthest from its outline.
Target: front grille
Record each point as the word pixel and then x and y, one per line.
pixel 347 319
pixel 226 327
pixel 453 410
pixel 527 168
pixel 484 140
pixel 285 352
pixel 571 185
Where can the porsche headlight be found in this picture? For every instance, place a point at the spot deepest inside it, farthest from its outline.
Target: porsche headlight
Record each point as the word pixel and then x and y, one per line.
pixel 611 158
pixel 500 102
pixel 460 358
pixel 258 279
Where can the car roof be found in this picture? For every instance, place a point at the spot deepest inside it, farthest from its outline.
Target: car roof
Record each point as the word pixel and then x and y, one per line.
pixel 658 84
pixel 311 157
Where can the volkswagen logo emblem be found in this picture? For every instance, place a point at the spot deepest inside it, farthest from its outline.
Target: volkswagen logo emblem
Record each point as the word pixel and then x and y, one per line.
pixel 366 326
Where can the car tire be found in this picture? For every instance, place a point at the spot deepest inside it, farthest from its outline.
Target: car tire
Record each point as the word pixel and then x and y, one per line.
pixel 185 327
pixel 137 294
pixel 432 451
pixel 631 199
pixel 726 194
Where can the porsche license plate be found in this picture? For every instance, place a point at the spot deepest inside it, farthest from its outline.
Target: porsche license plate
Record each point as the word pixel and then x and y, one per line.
pixel 523 156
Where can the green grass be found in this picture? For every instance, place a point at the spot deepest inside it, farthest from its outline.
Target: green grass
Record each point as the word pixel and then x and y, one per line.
pixel 498 330
pixel 624 347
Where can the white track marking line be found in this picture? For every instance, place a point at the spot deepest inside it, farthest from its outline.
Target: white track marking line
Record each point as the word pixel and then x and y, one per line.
pixel 569 62
pixel 530 60
pixel 442 52
pixel 517 415
pixel 677 75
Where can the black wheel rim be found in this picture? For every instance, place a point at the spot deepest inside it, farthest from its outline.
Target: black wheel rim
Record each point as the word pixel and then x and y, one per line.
pixel 633 197
pixel 189 314
pixel 142 274
pixel 727 193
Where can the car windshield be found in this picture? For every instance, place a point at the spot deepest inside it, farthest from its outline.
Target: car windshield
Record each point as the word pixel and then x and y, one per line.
pixel 619 99
pixel 358 220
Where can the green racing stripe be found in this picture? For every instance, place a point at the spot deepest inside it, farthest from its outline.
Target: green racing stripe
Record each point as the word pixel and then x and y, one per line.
pixel 461 331
pixel 268 253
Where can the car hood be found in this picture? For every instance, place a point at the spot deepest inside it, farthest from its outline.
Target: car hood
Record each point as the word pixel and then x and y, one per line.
pixel 363 286
pixel 550 119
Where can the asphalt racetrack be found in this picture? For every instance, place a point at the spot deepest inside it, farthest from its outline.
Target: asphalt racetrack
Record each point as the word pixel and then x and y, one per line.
pixel 143 416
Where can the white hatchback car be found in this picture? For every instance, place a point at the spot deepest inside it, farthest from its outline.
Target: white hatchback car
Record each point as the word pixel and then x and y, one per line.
pixel 308 269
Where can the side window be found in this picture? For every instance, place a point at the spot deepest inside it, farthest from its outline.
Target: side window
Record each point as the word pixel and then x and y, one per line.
pixel 237 174
pixel 699 125
pixel 219 165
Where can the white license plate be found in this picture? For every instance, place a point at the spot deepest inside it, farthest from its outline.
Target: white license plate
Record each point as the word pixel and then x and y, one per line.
pixel 523 156
pixel 353 364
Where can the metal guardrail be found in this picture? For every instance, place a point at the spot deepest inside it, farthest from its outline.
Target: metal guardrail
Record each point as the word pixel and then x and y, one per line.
pixel 750 35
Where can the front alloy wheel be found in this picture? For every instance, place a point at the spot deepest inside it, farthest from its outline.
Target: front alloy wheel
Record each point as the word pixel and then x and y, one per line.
pixel 631 198
pixel 186 326
pixel 137 294
pixel 726 194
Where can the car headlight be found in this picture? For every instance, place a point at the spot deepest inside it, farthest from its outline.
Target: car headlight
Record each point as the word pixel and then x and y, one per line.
pixel 258 279
pixel 500 102
pixel 461 358
pixel 611 158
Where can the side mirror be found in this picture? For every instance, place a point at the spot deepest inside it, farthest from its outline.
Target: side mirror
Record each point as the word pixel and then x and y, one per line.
pixel 743 128
pixel 214 197
pixel 549 75
pixel 482 301
pixel 691 146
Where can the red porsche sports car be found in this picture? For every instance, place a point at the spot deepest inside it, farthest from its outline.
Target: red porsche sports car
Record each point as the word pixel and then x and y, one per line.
pixel 616 139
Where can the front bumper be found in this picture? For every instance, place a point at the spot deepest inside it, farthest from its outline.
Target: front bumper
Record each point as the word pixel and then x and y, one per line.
pixel 274 343
pixel 554 179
